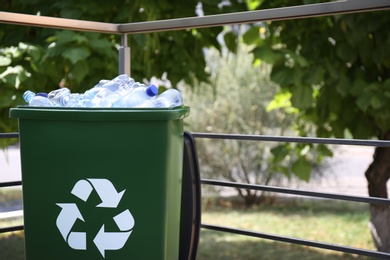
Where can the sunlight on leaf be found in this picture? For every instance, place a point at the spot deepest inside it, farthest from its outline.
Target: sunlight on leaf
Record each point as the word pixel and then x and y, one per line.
pixel 282 99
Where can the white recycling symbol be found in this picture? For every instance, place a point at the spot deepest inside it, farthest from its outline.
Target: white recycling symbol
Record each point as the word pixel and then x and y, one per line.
pixel 110 199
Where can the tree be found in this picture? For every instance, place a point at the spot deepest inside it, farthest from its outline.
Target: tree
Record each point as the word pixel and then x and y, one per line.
pixel 336 71
pixel 39 58
pixel 235 101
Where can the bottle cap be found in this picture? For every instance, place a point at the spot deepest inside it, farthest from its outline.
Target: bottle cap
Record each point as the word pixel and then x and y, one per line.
pixel 152 90
pixel 42 94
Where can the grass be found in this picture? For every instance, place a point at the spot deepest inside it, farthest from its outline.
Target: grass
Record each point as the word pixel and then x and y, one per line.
pixel 11 243
pixel 10 194
pixel 323 221
pixel 330 222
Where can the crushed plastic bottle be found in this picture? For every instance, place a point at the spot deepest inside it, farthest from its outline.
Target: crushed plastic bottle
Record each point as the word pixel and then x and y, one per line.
pixel 37 100
pixel 76 100
pixel 59 97
pixel 104 98
pixel 126 83
pixel 137 97
pixel 169 98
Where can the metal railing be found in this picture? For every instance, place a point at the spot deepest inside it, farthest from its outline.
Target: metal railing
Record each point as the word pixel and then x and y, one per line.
pixel 295 12
pixel 300 192
pixel 312 194
pixel 10 184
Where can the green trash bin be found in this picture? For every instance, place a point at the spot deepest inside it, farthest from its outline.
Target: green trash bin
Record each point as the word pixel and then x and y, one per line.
pixel 101 183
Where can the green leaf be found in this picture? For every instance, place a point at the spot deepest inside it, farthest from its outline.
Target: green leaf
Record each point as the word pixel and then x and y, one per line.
pixel 363 101
pixel 51 69
pixel 64 36
pixel 302 169
pixel 357 87
pixel 343 85
pixel 7 97
pixel 298 59
pixel 266 54
pixel 253 4
pixel 252 36
pixel 324 150
pixel 80 70
pixel 279 152
pixel 54 50
pixel 231 41
pixel 101 45
pixel 79 38
pixel 377 102
pixel 345 53
pixel 281 100
pixel 282 76
pixel 76 54
pixel 302 96
pixel 314 75
pixel 331 69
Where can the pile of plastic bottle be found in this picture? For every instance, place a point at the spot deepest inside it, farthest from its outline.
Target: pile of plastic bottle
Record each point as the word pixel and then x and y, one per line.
pixel 120 92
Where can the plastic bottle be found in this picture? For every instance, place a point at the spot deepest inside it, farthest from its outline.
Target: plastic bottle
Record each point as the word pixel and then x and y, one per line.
pixel 104 98
pixel 59 97
pixel 37 100
pixel 125 82
pixel 113 86
pixel 169 98
pixel 28 95
pixel 138 96
pixel 76 100
pixel 91 93
pixel 110 85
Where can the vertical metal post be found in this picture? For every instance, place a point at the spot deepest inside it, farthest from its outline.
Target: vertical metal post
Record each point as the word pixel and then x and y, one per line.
pixel 124 56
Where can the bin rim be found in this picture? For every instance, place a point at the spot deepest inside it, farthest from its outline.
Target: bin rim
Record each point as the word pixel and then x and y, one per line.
pixel 98 114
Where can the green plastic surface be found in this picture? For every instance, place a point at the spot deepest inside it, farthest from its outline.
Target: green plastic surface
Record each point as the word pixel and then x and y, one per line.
pixel 138 151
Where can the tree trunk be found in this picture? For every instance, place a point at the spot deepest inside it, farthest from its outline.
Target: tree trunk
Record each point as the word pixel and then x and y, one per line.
pixel 377 174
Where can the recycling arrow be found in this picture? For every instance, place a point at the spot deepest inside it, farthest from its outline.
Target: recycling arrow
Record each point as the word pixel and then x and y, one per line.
pixel 104 188
pixel 82 189
pixel 77 240
pixel 110 198
pixel 115 240
pixel 110 240
pixel 67 217
pixel 107 192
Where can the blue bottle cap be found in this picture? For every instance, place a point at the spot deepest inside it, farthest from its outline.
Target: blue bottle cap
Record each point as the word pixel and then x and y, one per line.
pixel 152 90
pixel 42 94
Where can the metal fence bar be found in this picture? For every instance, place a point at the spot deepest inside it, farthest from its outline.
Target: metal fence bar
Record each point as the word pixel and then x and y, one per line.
pixel 9 135
pixel 284 13
pixel 57 23
pixel 310 243
pixel 10 184
pixel 314 194
pixel 312 140
pixel 11 229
